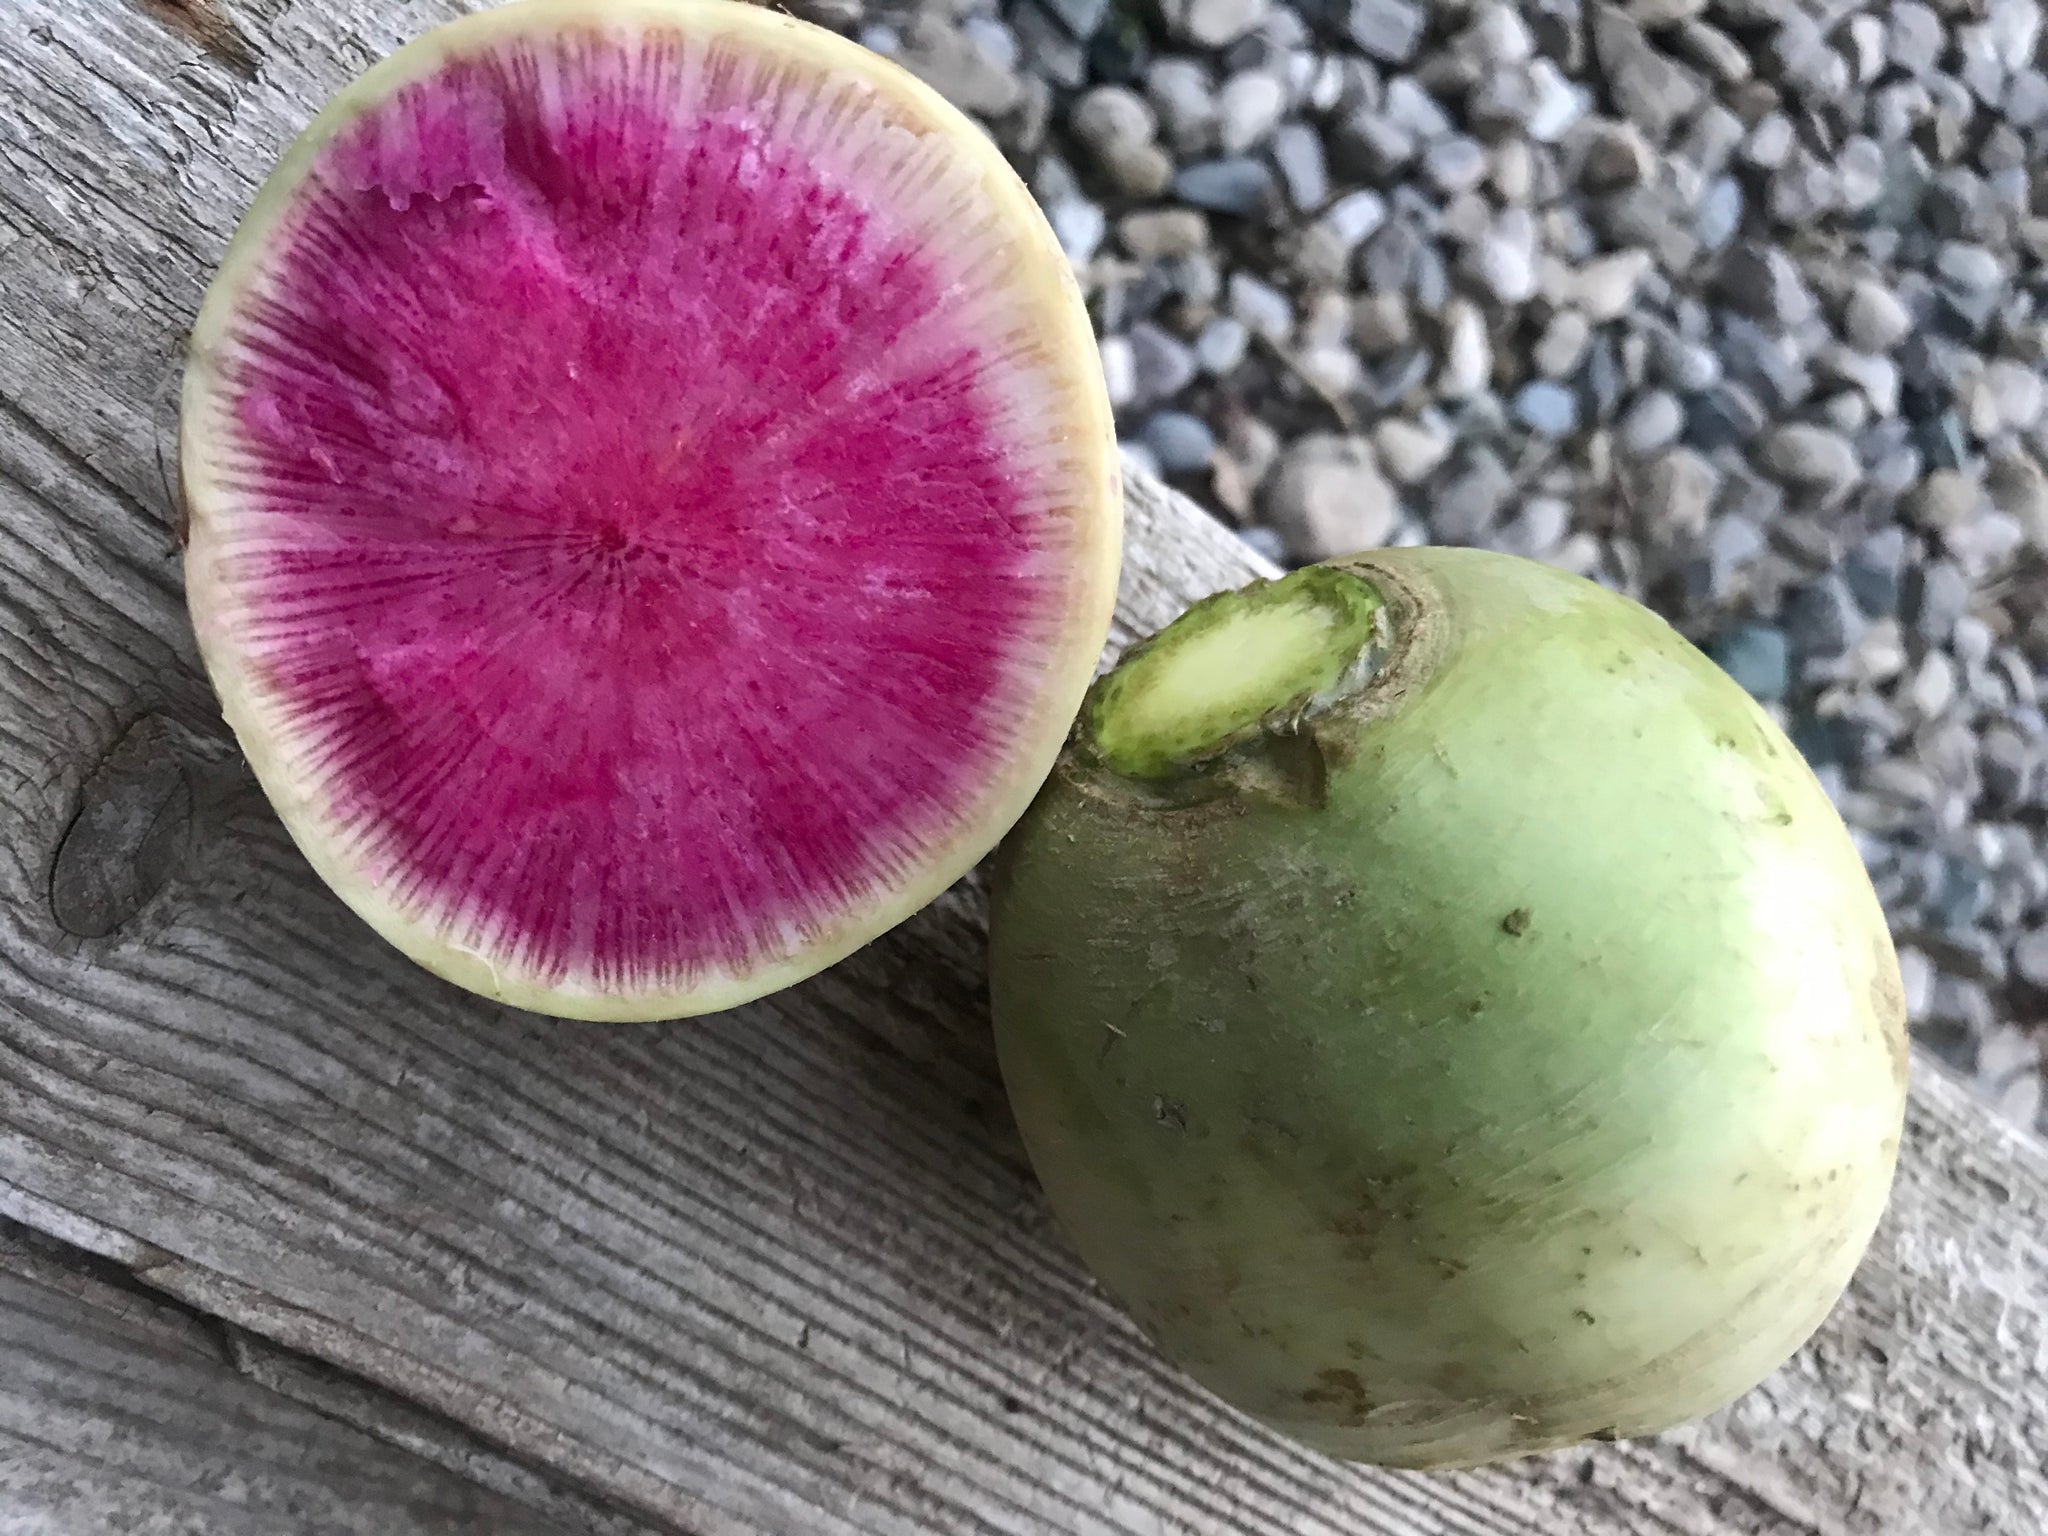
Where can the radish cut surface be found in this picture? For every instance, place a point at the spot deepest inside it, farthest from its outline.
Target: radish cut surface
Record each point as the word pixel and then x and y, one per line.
pixel 653 508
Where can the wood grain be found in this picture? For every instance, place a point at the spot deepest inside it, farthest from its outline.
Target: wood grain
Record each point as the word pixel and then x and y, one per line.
pixel 122 1416
pixel 783 1270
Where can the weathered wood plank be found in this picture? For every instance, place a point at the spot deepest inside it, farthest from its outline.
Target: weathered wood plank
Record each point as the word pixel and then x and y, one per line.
pixel 121 1417
pixel 779 1270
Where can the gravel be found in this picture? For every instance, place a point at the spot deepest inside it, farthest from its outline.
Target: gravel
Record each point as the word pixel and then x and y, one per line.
pixel 1737 306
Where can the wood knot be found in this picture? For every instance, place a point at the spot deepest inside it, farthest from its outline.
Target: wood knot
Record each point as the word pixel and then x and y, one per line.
pixel 127 836
pixel 203 22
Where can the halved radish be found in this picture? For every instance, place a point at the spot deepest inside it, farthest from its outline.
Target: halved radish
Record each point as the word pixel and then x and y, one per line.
pixel 653 503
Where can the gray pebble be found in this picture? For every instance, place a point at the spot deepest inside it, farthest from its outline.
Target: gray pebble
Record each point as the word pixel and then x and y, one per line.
pixel 1757 657
pixel 1183 95
pixel 1210 23
pixel 1393 378
pixel 1805 60
pixel 1686 366
pixel 1298 152
pixel 1248 108
pixel 1387 29
pixel 2009 764
pixel 1137 170
pixel 1151 234
pixel 1556 103
pixel 1874 569
pixel 1876 377
pixel 1465 217
pixel 1679 488
pixel 1431 284
pixel 1914 40
pixel 1803 188
pixel 1253 445
pixel 1860 173
pixel 1946 498
pixel 1047 46
pixel 1513 171
pixel 1468 355
pixel 1604 377
pixel 1265 541
pixel 1821 620
pixel 1381 323
pixel 1715 52
pixel 1811 457
pixel 2015 31
pixel 1985 545
pixel 1497 35
pixel 1195 277
pixel 1938 598
pixel 1654 421
pixel 1724 416
pixel 1718 216
pixel 1334 370
pixel 2019 487
pixel 1455 164
pixel 1183 444
pixel 1327 82
pixel 1562 345
pixel 1964 896
pixel 1413 110
pixel 1084 18
pixel 2017 388
pixel 1764 282
pixel 1763 360
pixel 1464 505
pixel 1368 147
pixel 1711 141
pixel 1355 216
pixel 1112 115
pixel 1328 498
pixel 1606 288
pixel 1536 530
pixel 1119 370
pixel 995 41
pixel 1917 974
pixel 1164 364
pixel 1262 307
pixel 2030 957
pixel 2026 100
pixel 1652 91
pixel 1222 344
pixel 1239 185
pixel 1770 141
pixel 1079 225
pixel 1504 258
pixel 1969 267
pixel 1732 544
pixel 1547 409
pixel 1410 451
pixel 1896 469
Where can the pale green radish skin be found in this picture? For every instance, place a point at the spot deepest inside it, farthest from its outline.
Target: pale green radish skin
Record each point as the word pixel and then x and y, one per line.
pixel 1505 1051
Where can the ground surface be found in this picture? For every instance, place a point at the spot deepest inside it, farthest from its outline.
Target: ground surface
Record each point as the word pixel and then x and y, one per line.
pixel 1732 304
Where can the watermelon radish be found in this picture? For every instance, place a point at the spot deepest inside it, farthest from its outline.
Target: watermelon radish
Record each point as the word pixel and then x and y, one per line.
pixel 653 506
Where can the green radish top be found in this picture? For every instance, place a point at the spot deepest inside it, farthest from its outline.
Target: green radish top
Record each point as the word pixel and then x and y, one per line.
pixel 1234 664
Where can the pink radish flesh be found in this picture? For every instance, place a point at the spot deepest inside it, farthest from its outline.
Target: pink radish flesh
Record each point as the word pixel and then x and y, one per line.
pixel 649 548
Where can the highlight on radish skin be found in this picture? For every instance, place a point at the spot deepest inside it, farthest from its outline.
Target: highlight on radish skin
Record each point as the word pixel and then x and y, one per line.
pixel 653 501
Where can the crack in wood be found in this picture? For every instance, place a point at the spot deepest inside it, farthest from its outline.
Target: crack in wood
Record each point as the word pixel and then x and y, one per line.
pixel 325 1391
